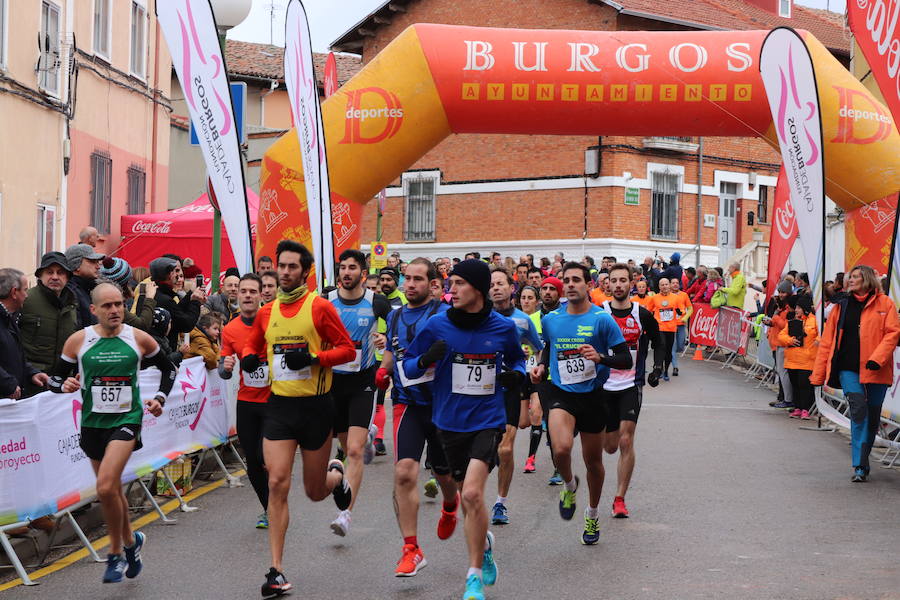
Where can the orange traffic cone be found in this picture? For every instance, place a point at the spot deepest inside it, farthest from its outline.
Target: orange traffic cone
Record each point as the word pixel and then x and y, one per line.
pixel 698 353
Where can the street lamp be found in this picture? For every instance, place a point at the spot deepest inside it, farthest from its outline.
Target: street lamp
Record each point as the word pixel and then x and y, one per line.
pixel 228 13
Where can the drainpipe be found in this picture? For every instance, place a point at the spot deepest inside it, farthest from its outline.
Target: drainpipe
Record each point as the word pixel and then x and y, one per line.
pixel 699 198
pixel 154 133
pixel 65 144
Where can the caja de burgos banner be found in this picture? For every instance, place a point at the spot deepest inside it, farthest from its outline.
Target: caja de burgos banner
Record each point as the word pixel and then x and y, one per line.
pixel 43 470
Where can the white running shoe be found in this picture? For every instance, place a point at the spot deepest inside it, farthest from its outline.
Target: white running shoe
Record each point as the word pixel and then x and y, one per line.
pixel 369 448
pixel 341 525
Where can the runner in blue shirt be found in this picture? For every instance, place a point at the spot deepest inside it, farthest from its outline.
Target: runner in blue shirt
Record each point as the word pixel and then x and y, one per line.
pixel 581 344
pixel 413 426
pixel 501 296
pixel 469 345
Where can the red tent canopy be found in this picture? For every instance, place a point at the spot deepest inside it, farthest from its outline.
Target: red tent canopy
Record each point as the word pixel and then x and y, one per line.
pixel 185 231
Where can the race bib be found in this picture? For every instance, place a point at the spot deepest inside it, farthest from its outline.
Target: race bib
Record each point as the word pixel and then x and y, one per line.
pixel 666 314
pixel 258 378
pixel 474 374
pixel 280 370
pixel 354 365
pixel 574 368
pixel 531 363
pixel 111 394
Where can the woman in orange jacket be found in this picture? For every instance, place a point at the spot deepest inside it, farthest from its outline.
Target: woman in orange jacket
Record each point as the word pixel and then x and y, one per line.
pixel 855 354
pixel 800 353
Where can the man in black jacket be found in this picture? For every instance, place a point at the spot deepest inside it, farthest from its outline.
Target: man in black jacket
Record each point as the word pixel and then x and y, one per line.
pixel 15 371
pixel 185 312
pixel 85 266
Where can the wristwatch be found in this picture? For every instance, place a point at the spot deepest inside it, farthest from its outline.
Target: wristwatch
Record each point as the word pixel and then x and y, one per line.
pixel 161 398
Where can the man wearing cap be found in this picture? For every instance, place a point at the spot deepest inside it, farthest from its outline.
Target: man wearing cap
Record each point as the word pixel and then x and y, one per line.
pixel 48 316
pixel 84 263
pixel 186 311
pixel 476 354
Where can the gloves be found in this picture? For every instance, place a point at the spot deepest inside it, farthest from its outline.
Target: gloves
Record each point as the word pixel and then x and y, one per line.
pixel 510 379
pixel 432 355
pixel 298 359
pixel 871 365
pixel 382 378
pixel 250 363
pixel 653 377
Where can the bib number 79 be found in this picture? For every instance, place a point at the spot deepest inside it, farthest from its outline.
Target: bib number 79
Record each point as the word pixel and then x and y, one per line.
pixel 475 373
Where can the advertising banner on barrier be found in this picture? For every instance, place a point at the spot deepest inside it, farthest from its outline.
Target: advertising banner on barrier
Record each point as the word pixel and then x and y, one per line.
pixel 703 325
pixel 732 330
pixel 191 35
pixel 42 467
pixel 764 354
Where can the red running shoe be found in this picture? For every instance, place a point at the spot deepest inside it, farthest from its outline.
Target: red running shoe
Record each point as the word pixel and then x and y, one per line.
pixel 411 562
pixel 447 523
pixel 529 464
pixel 619 511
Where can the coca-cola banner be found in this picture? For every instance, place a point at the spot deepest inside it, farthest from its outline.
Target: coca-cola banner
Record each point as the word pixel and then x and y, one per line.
pixel 784 233
pixel 874 26
pixel 732 330
pixel 703 325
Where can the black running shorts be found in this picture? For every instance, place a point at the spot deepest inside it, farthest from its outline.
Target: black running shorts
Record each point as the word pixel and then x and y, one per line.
pixel 412 429
pixel 95 439
pixel 461 447
pixel 305 419
pixel 354 399
pixel 589 409
pixel 622 405
pixel 512 398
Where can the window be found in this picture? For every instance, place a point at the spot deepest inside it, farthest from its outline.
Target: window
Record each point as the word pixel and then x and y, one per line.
pixel 136 185
pixel 420 200
pixel 784 8
pixel 101 184
pixel 138 42
pixel 664 209
pixel 762 206
pixel 3 33
pixel 48 62
pixel 45 232
pixel 102 27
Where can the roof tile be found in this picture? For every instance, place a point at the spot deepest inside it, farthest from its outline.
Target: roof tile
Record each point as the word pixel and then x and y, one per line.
pixel 266 61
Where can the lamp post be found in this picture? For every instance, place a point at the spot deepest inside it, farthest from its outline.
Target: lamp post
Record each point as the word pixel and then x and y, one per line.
pixel 228 14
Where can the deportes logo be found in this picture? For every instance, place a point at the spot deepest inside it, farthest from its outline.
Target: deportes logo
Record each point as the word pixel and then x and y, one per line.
pixel 372 115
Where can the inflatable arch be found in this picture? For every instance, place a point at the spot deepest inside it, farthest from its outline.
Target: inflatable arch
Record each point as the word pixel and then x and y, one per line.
pixel 434 80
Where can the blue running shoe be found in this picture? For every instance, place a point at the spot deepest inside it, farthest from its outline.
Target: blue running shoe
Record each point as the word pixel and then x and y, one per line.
pixel 499 517
pixel 474 589
pixel 859 475
pixel 115 568
pixel 262 522
pixel 783 404
pixel 488 566
pixel 555 479
pixel 133 556
pixel 567 502
pixel 591 534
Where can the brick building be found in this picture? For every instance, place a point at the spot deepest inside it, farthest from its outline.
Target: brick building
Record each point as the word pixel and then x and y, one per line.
pixel 627 196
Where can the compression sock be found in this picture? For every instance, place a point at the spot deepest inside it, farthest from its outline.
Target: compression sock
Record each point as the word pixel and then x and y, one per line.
pixel 535 441
pixel 379 419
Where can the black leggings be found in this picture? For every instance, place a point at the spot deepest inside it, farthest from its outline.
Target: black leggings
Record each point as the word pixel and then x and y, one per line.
pixel 804 395
pixel 250 434
pixel 668 338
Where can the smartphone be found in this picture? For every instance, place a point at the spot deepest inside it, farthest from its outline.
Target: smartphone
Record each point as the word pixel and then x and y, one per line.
pixel 142 289
pixel 795 329
pixel 199 282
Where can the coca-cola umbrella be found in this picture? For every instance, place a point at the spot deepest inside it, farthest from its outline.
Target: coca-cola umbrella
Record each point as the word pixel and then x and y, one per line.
pixel 185 231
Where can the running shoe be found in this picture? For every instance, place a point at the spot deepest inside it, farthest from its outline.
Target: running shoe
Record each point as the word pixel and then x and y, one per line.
pixel 529 465
pixel 341 492
pixel 115 568
pixel 665 377
pixel 567 502
pixel 795 414
pixel 431 488
pixel 591 533
pixel 674 371
pixel 618 510
pixel 380 450
pixel 410 562
pixel 804 415
pixel 369 448
pixel 341 525
pixel 339 454
pixel 447 523
pixel 474 588
pixel 499 516
pixel 133 556
pixel 488 566
pixel 859 475
pixel 783 404
pixel 262 522
pixel 275 585
pixel 555 479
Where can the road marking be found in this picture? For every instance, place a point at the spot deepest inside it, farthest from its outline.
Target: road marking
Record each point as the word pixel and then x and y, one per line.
pixel 74 557
pixel 706 406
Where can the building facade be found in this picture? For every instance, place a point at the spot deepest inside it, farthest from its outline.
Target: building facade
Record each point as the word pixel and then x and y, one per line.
pixel 629 197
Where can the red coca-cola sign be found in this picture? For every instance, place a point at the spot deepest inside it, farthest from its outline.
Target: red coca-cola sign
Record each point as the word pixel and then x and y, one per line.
pixel 151 227
pixel 703 325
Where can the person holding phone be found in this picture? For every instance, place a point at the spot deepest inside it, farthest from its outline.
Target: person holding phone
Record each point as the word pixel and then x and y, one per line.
pixel 800 341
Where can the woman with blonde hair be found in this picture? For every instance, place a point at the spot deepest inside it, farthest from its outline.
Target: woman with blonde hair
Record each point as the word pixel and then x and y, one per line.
pixel 713 282
pixel 855 354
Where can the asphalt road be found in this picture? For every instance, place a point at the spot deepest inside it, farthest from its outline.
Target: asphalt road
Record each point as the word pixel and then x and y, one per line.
pixel 729 500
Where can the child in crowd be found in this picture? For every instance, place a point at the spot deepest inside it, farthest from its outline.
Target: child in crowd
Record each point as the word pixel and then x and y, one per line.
pixel 800 338
pixel 205 339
